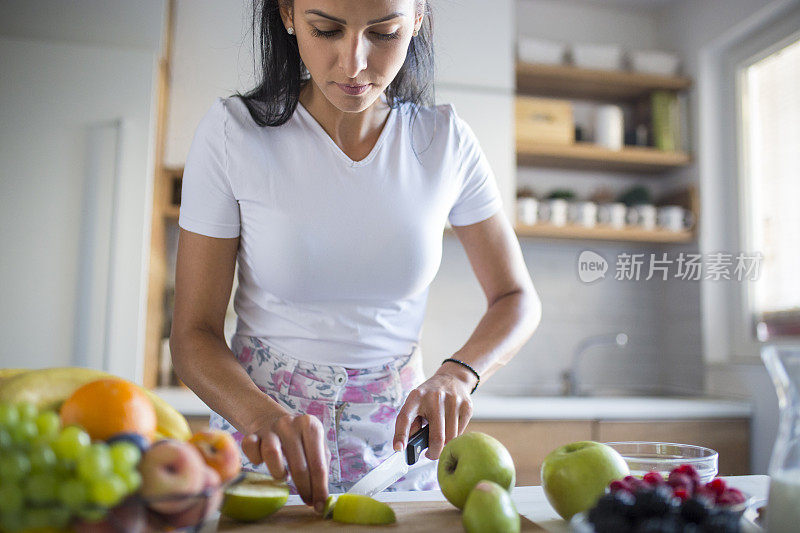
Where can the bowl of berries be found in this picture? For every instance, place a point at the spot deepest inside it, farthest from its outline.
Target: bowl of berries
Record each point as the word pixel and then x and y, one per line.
pixel 680 502
pixel 664 457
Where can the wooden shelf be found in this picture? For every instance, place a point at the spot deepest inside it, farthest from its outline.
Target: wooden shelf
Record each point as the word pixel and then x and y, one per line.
pixel 604 233
pixel 565 81
pixel 590 156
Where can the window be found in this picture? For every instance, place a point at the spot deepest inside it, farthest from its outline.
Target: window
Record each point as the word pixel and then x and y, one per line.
pixel 770 137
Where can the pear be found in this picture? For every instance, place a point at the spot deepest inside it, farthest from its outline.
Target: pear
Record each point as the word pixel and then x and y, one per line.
pixel 489 508
pixel 360 509
pixel 255 497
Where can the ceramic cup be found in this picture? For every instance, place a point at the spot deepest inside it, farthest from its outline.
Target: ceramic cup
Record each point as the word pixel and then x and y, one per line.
pixel 643 216
pixel 583 213
pixel 527 210
pixel 609 128
pixel 554 211
pixel 612 214
pixel 674 218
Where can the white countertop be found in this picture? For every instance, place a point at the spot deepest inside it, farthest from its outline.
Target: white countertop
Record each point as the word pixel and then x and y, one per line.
pixel 550 408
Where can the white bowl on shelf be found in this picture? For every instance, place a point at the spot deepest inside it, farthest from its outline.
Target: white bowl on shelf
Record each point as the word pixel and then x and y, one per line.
pixel 533 50
pixel 654 62
pixel 597 56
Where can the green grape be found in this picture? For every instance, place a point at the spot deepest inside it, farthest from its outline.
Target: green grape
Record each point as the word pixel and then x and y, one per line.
pixel 60 517
pixel 95 462
pixel 125 456
pixel 37 517
pixel 71 443
pixel 93 514
pixel 14 465
pixel 48 424
pixel 9 416
pixel 11 499
pixel 73 493
pixel 42 457
pixel 41 488
pixel 6 442
pixel 24 432
pixel 27 411
pixel 132 480
pixel 107 491
pixel 12 522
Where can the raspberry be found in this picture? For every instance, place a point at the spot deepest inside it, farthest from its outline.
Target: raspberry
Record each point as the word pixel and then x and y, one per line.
pixel 731 497
pixel 717 485
pixel 635 483
pixel 677 480
pixel 704 492
pixel 654 479
pixel 681 494
pixel 690 471
pixel 618 485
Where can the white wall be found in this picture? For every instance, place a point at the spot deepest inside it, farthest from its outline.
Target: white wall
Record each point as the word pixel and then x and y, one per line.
pixel 53 90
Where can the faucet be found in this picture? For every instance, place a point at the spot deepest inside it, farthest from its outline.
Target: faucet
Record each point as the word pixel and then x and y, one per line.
pixel 569 377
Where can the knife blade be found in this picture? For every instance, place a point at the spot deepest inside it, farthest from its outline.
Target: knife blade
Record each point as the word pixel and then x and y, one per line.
pixel 394 467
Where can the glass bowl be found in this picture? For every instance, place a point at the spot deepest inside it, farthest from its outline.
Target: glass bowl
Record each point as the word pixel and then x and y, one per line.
pixel 663 457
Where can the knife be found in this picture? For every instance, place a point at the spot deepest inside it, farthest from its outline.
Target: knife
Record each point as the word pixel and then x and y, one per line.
pixel 394 467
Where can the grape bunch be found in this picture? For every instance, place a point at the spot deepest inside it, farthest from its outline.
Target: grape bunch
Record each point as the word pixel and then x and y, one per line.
pixel 50 475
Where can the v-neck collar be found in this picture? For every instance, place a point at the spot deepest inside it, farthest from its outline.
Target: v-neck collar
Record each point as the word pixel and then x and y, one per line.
pixel 321 131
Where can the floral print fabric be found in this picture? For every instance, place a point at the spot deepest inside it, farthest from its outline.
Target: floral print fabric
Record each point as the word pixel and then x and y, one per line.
pixel 357 408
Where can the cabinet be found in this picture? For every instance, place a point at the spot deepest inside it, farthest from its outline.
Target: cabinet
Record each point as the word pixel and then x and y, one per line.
pixel 529 441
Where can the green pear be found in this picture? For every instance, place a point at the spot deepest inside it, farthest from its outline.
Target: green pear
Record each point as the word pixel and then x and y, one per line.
pixel 360 509
pixel 489 508
pixel 470 458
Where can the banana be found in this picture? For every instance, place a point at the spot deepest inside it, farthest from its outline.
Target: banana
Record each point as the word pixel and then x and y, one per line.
pixel 47 388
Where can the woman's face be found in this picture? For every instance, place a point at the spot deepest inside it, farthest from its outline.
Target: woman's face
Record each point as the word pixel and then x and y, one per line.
pixel 353 48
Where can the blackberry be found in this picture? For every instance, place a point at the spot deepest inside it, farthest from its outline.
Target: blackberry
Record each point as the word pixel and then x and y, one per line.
pixel 721 522
pixel 694 510
pixel 617 503
pixel 666 524
pixel 653 503
pixel 612 524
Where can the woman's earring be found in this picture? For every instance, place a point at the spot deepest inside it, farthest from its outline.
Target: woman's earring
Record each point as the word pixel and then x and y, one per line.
pixel 290 30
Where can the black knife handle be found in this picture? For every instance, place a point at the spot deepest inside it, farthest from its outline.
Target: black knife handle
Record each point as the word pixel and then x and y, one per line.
pixel 416 445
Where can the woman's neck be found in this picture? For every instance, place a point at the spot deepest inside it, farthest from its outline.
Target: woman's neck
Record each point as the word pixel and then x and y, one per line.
pixel 354 133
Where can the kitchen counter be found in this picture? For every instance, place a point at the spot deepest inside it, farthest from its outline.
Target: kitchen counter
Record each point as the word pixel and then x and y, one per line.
pixel 487 407
pixel 531 502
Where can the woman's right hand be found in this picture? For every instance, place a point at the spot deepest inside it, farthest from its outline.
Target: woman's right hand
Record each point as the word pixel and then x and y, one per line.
pixel 296 440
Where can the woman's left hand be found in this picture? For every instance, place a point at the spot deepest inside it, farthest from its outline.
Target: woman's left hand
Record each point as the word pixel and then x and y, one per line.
pixel 444 401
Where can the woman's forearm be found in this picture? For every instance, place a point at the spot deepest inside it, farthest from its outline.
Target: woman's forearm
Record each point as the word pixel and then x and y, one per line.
pixel 203 361
pixel 505 327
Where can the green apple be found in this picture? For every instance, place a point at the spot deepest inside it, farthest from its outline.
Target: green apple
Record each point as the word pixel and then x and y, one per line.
pixel 574 476
pixel 489 508
pixel 255 497
pixel 470 458
pixel 360 509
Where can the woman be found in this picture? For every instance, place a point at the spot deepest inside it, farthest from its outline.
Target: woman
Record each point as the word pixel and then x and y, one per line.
pixel 331 183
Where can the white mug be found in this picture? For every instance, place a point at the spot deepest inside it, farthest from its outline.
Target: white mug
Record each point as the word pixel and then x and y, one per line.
pixel 674 218
pixel 612 214
pixel 642 215
pixel 527 208
pixel 583 213
pixel 609 130
pixel 554 211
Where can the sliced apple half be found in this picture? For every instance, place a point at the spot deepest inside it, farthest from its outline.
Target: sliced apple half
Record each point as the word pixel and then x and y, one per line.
pixel 360 509
pixel 255 497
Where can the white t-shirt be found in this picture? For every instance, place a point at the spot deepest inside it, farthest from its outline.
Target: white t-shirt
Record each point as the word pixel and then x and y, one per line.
pixel 335 255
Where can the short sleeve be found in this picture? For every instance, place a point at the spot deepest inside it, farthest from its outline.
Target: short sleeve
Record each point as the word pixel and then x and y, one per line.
pixel 208 205
pixel 479 197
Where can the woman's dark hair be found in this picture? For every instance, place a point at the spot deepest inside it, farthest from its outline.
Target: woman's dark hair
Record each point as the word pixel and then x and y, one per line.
pixel 283 74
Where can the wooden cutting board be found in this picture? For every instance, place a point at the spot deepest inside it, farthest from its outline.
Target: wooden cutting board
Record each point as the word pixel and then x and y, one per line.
pixel 440 517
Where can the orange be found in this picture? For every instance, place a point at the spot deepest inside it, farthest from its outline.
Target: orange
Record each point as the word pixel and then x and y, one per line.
pixel 109 406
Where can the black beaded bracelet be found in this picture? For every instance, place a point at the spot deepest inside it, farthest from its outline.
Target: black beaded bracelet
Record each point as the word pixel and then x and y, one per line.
pixel 462 363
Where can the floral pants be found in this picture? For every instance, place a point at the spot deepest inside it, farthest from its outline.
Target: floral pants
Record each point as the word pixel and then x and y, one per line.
pixel 357 408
